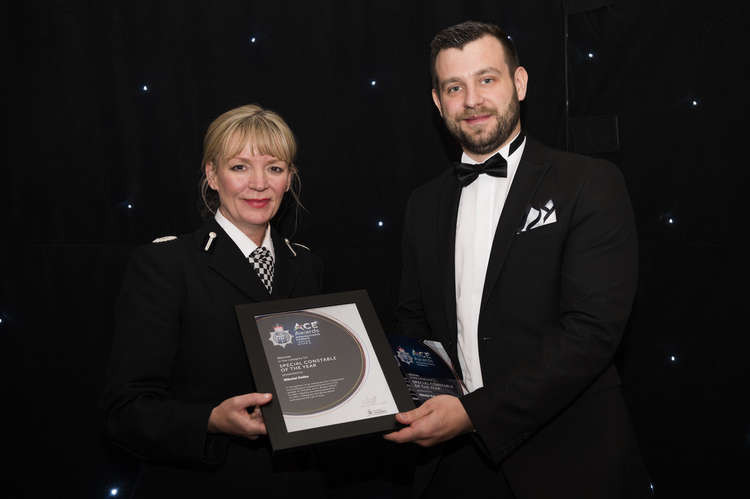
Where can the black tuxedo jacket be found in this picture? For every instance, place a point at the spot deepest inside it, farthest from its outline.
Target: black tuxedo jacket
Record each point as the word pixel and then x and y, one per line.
pixel 556 299
pixel 178 352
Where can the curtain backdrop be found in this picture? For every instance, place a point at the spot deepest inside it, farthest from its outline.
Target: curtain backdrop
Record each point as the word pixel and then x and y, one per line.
pixel 107 103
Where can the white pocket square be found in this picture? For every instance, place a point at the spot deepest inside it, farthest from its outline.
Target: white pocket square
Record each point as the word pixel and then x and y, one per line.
pixel 539 217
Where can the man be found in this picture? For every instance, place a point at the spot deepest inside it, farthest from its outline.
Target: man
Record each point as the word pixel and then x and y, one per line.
pixel 525 268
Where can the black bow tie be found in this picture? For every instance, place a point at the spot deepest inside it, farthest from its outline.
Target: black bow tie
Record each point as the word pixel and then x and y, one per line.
pixel 496 166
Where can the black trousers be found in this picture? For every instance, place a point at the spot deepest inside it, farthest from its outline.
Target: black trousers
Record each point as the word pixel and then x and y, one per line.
pixel 462 472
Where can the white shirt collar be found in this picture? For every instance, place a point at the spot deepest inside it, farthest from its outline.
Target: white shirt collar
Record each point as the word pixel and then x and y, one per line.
pixel 244 243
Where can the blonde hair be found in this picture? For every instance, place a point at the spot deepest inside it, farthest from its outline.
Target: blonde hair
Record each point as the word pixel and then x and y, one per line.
pixel 265 131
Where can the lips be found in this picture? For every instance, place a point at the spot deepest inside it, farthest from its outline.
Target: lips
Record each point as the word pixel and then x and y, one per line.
pixel 257 203
pixel 472 120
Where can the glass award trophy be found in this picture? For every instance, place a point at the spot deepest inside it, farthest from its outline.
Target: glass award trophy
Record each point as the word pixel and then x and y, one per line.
pixel 426 368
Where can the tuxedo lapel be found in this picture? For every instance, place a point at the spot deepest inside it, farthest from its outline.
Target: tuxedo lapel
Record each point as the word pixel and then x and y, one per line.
pixel 446 219
pixel 227 260
pixel 531 169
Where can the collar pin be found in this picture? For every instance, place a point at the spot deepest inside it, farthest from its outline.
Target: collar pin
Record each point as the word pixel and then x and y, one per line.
pixel 288 245
pixel 211 236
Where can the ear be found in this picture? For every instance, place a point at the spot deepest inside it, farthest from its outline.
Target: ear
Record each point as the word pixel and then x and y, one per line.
pixel 436 100
pixel 521 80
pixel 211 176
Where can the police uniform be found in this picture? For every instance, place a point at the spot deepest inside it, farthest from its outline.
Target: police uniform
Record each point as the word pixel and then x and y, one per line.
pixel 178 352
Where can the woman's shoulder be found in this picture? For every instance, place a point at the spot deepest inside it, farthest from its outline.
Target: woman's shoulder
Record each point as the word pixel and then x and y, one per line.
pixel 169 248
pixel 155 258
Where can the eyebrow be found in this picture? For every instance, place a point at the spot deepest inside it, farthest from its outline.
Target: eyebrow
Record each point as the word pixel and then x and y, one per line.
pixel 247 159
pixel 488 69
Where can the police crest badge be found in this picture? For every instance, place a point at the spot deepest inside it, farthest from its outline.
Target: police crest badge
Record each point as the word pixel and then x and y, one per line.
pixel 280 337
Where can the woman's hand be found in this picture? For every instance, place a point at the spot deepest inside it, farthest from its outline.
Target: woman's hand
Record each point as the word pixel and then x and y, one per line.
pixel 240 416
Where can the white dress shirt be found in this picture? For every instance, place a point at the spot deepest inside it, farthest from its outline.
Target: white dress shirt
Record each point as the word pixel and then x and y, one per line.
pixel 479 211
pixel 244 243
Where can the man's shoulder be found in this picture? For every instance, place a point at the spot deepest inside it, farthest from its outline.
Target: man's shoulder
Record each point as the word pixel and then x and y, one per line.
pixel 575 167
pixel 557 155
pixel 444 180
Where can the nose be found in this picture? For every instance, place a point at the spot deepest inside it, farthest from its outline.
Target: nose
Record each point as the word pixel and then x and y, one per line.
pixel 258 180
pixel 472 97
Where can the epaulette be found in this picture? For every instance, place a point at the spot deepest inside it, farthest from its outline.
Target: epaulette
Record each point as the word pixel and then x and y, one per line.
pixel 163 239
pixel 289 245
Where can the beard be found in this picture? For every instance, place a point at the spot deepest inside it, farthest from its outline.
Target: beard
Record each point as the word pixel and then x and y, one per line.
pixel 480 141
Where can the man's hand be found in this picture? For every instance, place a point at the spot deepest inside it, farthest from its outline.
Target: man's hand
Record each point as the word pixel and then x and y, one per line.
pixel 234 416
pixel 437 420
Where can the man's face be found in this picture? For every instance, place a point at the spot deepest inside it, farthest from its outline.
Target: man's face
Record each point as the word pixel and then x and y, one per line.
pixel 477 96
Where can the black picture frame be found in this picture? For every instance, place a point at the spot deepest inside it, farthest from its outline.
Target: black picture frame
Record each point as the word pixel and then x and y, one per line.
pixel 253 338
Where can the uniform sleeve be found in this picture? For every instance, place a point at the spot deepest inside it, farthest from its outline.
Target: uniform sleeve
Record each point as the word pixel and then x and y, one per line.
pixel 142 416
pixel 597 285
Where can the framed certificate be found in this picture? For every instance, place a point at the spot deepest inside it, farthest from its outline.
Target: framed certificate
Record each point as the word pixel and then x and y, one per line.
pixel 328 364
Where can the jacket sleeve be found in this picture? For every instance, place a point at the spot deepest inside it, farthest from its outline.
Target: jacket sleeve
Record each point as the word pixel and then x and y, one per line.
pixel 410 313
pixel 598 275
pixel 142 415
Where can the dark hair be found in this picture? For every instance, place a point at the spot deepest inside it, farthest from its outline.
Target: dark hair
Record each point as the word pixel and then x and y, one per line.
pixel 458 35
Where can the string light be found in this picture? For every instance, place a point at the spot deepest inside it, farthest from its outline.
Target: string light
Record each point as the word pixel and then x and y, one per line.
pixel 144 88
pixel 252 39
pixel 668 219
pixel 113 492
pixel 130 206
pixel 380 223
pixel 372 83
pixel 590 55
pixel 694 102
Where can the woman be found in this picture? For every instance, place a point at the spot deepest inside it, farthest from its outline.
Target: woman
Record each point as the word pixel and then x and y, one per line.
pixel 180 394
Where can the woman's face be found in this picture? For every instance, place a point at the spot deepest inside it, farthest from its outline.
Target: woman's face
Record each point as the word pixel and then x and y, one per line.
pixel 251 187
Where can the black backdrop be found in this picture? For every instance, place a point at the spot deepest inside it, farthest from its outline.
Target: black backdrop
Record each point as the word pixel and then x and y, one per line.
pixel 107 104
